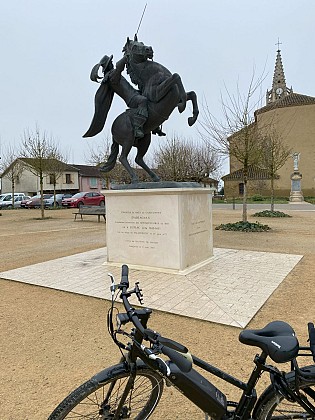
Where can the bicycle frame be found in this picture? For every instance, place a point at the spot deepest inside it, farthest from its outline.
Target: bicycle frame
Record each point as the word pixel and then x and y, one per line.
pixel 134 386
pixel 197 388
pixel 242 409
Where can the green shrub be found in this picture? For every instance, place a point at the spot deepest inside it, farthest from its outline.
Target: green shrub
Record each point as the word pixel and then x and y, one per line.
pixel 310 200
pixel 269 213
pixel 244 227
pixel 257 197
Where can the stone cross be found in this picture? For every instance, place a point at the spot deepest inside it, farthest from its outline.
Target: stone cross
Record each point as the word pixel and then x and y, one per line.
pixel 278 43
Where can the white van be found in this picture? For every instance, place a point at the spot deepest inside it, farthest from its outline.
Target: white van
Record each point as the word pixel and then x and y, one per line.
pixel 17 202
pixel 8 196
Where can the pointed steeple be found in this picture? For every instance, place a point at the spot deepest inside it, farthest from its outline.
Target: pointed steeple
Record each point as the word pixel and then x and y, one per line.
pixel 278 77
pixel 279 88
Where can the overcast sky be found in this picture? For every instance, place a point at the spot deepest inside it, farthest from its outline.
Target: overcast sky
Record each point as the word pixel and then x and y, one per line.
pixel 48 48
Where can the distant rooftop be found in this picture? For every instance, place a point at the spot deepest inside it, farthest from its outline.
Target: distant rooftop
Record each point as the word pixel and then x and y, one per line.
pixel 87 170
pixel 254 172
pixel 293 99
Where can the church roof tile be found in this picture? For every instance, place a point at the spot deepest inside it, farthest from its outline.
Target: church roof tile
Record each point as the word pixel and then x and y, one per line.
pixel 294 99
pixel 254 173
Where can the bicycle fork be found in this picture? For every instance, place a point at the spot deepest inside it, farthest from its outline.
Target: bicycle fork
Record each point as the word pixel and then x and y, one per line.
pixel 120 410
pixel 105 406
pixel 128 388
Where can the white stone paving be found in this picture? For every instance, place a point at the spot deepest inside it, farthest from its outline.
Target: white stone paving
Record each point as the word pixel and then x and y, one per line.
pixel 230 289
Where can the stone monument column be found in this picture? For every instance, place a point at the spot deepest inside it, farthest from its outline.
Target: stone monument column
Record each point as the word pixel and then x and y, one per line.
pixel 296 195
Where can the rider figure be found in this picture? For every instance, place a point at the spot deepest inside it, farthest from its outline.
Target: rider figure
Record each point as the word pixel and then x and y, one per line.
pixel 134 100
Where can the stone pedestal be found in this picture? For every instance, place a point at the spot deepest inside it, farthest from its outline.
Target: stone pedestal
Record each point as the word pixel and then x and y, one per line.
pixel 168 230
pixel 296 195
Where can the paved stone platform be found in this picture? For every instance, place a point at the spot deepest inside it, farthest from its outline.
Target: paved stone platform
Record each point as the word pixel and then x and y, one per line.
pixel 229 290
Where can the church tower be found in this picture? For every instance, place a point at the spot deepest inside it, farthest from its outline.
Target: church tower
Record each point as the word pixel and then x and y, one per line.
pixel 279 88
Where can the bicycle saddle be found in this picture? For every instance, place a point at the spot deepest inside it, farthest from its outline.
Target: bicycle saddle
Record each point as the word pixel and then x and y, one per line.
pixel 277 339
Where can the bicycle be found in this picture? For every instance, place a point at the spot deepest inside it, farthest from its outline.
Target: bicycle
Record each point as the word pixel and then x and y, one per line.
pixel 132 388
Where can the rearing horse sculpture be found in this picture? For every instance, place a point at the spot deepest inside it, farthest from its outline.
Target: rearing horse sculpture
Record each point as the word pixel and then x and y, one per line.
pixel 160 92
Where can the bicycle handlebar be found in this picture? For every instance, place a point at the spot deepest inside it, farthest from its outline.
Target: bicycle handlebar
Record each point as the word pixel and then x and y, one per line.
pixel 124 275
pixel 179 359
pixel 124 296
pixel 177 353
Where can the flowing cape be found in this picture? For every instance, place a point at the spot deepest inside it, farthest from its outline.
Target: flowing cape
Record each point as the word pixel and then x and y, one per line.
pixel 102 103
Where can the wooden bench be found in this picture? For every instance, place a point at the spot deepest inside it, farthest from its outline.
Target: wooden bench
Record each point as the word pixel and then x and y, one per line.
pixel 91 211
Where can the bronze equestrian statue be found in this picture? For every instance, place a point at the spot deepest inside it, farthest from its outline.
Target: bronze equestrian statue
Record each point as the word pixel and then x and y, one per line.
pixel 159 93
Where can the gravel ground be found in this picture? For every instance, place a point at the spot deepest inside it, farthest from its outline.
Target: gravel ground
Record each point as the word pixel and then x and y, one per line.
pixel 52 341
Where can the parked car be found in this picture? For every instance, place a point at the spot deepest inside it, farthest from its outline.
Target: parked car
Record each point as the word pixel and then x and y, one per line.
pixel 23 202
pixel 49 202
pixel 84 199
pixel 4 198
pixel 17 202
pixel 34 202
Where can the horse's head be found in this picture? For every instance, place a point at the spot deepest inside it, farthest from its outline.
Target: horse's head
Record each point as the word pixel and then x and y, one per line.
pixel 136 51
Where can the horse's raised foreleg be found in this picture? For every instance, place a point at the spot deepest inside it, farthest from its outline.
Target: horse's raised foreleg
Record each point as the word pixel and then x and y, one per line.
pixel 191 96
pixel 163 88
pixel 143 146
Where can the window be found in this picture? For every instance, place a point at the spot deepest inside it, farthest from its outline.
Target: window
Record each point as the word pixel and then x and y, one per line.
pixel 93 182
pixel 68 179
pixel 52 179
pixel 241 188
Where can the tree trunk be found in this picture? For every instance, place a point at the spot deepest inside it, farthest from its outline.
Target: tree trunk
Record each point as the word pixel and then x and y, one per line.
pixel 107 182
pixel 13 189
pixel 245 201
pixel 41 196
pixel 245 173
pixel 54 193
pixel 272 198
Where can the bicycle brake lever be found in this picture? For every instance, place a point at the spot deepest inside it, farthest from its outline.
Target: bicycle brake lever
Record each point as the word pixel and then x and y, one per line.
pixel 113 286
pixel 163 366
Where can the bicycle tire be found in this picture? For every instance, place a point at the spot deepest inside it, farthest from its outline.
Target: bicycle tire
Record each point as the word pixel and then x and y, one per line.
pixel 87 399
pixel 272 405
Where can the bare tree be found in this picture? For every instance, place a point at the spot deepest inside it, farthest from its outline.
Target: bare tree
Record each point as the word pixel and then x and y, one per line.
pixel 99 152
pixel 55 166
pixel 11 167
pixel 274 155
pixel 179 159
pixel 40 148
pixel 236 135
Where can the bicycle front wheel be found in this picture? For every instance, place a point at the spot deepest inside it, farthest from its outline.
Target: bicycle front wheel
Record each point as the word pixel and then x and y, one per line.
pixel 99 397
pixel 272 405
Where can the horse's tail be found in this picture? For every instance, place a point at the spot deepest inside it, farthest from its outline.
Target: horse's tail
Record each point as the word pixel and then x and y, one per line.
pixel 111 161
